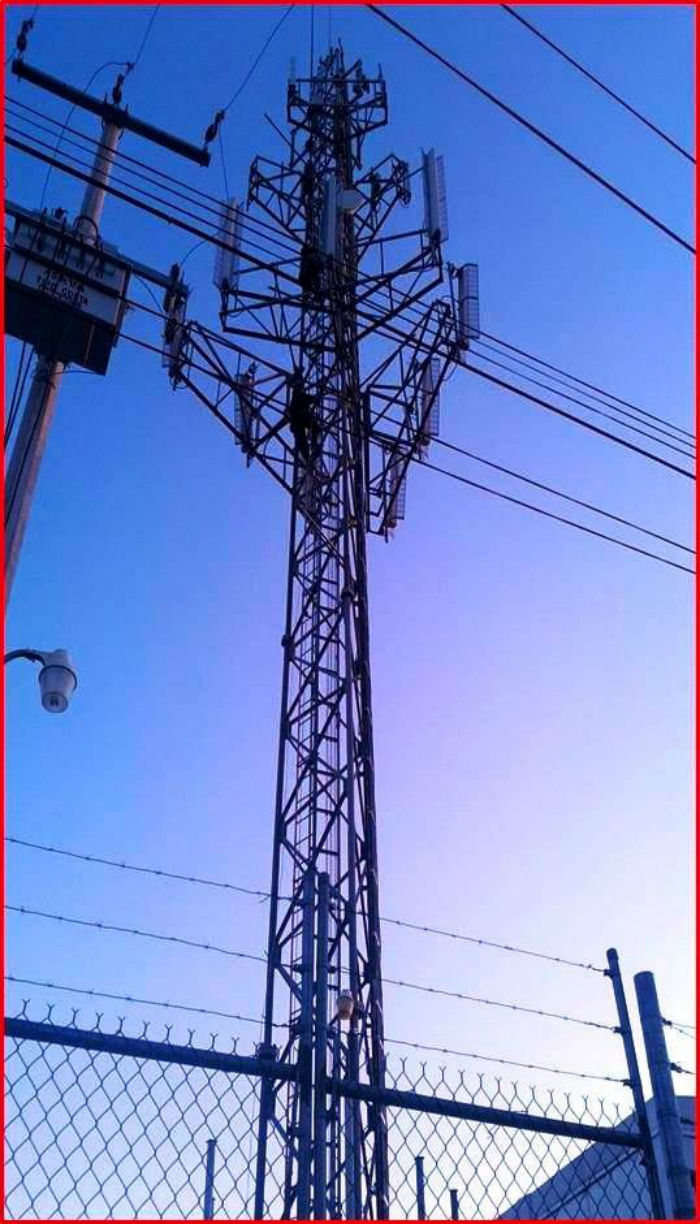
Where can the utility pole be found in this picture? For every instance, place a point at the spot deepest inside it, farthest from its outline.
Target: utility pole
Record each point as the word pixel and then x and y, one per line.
pixel 339 440
pixel 49 296
pixel 35 422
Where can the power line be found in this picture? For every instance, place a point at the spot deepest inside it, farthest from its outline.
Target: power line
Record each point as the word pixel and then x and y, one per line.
pixel 601 84
pixel 291 251
pixel 636 415
pixel 505 1062
pixel 668 428
pixel 682 449
pixel 193 879
pixel 516 501
pixel 160 213
pixel 272 268
pixel 266 227
pixel 559 493
pixel 570 416
pixel 106 926
pixel 390 331
pixel 123 162
pixel 108 64
pixel 144 40
pixel 482 373
pixel 531 127
pixel 258 58
pixel 575 378
pixel 564 496
pixel 152 174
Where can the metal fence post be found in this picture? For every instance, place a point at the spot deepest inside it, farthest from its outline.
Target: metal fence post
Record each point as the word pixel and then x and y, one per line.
pixel 454 1205
pixel 267 1110
pixel 305 1056
pixel 635 1083
pixel 320 1053
pixel 208 1208
pixel 420 1189
pixel 668 1117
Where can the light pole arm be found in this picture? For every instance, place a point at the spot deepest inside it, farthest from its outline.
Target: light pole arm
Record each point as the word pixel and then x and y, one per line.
pixel 35 656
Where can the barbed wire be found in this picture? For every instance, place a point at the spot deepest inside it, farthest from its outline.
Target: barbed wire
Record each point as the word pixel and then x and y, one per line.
pixel 125 998
pixel 686 1030
pixel 107 926
pixel 191 943
pixel 89 992
pixel 124 866
pixel 506 1062
pixel 491 943
pixel 517 1007
pixel 253 892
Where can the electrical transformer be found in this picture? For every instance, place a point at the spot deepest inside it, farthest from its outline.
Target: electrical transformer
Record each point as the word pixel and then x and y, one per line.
pixel 64 295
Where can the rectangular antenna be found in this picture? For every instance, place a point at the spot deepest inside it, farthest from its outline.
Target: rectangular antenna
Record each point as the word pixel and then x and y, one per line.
pixel 394 487
pixel 430 400
pixel 468 304
pixel 435 196
pixel 227 259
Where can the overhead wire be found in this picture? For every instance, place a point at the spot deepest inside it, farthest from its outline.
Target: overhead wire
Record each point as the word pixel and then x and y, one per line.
pixel 147 195
pixel 576 501
pixel 639 414
pixel 390 331
pixel 145 38
pixel 23 367
pixel 601 535
pixel 267 228
pixel 597 81
pixel 533 129
pixel 596 429
pixel 11 140
pixel 527 505
pixel 414 310
pixel 680 450
pixel 152 174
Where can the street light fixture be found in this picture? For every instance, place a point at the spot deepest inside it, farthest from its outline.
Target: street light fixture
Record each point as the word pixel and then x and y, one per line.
pixel 57 678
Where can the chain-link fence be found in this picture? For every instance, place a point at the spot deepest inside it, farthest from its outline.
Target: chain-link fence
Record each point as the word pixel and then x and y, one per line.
pixel 110 1126
pixel 474 1170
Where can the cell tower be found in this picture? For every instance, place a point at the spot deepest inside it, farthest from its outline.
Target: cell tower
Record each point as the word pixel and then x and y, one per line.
pixel 339 435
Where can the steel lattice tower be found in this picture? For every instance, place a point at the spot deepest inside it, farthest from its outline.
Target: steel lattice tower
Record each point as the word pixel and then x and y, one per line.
pixel 340 441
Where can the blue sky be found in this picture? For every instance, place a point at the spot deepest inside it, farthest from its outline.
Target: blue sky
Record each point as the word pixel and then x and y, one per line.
pixel 532 685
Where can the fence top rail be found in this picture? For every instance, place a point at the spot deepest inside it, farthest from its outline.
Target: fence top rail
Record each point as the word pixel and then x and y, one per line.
pixel 417 1102
pixel 140 1047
